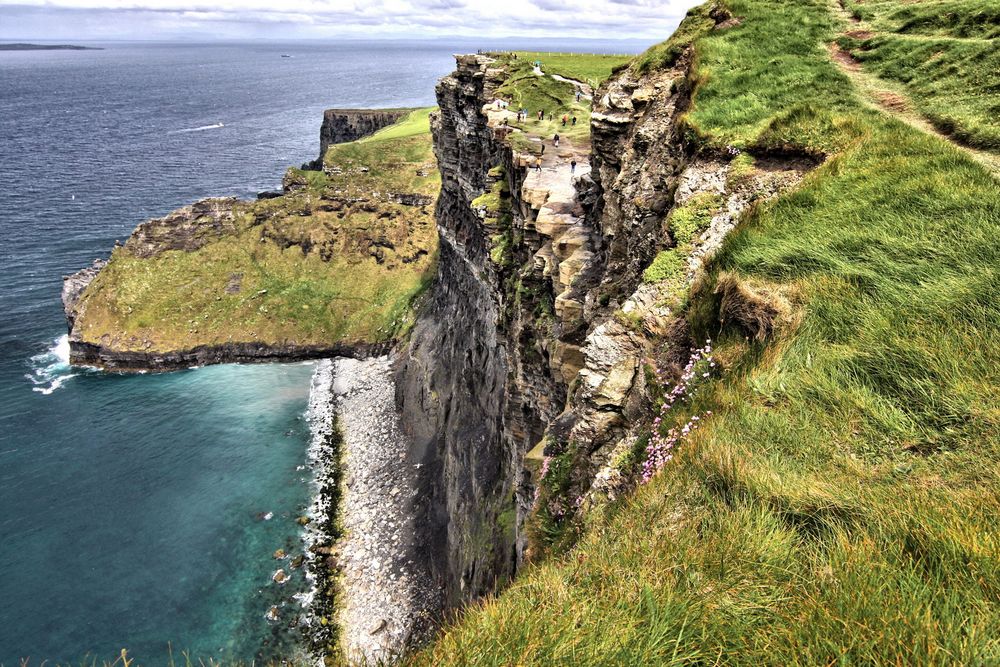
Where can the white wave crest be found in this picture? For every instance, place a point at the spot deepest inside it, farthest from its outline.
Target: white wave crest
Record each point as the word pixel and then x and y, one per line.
pixel 198 129
pixel 320 416
pixel 51 368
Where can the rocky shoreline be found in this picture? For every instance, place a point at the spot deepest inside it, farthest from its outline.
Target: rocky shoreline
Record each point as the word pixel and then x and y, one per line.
pixel 321 530
pixel 98 356
pixel 388 597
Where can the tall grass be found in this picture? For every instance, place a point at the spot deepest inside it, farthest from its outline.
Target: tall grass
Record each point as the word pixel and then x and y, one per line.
pixel 842 504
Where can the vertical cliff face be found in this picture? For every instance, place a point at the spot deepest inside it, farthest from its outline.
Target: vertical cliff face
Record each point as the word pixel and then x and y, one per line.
pixel 534 343
pixel 489 364
pixel 453 378
pixel 343 125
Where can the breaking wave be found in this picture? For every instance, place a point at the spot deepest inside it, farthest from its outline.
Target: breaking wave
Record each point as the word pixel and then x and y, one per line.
pixel 202 128
pixel 51 369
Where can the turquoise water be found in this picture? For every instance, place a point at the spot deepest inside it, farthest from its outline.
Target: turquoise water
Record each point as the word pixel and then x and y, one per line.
pixel 151 511
pixel 132 507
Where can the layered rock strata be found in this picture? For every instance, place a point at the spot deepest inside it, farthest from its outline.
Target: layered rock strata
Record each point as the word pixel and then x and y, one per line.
pixel 343 125
pixel 540 321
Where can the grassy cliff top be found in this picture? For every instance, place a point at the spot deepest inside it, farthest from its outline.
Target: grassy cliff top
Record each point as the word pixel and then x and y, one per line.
pixel 524 88
pixel 840 503
pixel 339 258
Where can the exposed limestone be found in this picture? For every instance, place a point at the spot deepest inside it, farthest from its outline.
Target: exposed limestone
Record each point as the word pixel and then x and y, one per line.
pixel 187 229
pixel 73 286
pixel 343 125
pixel 614 353
pixel 389 597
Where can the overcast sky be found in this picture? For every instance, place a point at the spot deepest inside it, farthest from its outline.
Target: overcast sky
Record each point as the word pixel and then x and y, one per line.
pixel 153 19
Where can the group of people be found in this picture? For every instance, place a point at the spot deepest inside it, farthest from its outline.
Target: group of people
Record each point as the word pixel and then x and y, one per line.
pixel 540 115
pixel 511 54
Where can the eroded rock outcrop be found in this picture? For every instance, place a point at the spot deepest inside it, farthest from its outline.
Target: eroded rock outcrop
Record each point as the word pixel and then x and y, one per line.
pixel 188 228
pixel 343 125
pixel 74 285
pixel 541 319
pixel 453 385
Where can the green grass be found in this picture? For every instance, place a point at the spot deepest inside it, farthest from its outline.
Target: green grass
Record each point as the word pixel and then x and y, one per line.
pixel 952 78
pixel 945 18
pixel 696 24
pixel 841 504
pixel 305 264
pixel 770 84
pixel 416 123
pixel 524 89
pixel 691 219
pixel 667 265
pixel 589 68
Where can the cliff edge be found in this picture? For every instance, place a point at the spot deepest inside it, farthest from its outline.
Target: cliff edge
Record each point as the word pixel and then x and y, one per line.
pixel 331 266
pixel 731 389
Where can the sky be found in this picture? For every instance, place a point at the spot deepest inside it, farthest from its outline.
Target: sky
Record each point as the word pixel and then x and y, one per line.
pixel 303 19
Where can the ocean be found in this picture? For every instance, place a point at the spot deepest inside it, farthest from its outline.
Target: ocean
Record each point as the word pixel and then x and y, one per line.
pixel 143 511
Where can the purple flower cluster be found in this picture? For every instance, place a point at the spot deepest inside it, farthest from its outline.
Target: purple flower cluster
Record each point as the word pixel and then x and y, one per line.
pixel 660 448
pixel 546 461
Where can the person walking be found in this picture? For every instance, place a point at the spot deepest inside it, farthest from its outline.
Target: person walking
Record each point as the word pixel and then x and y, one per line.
pixel 538 164
pixel 574 120
pixel 564 119
pixel 555 140
pixel 578 96
pixel 572 167
pixel 541 113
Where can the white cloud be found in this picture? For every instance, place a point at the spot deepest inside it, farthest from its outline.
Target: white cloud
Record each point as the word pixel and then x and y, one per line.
pixel 609 19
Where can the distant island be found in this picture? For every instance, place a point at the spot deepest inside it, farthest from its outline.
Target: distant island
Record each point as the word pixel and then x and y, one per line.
pixel 47 47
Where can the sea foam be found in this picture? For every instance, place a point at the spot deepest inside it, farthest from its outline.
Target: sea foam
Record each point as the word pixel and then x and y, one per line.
pixel 202 128
pixel 51 368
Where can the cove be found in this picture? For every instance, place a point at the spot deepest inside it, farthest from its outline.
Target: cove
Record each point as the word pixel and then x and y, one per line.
pixel 150 512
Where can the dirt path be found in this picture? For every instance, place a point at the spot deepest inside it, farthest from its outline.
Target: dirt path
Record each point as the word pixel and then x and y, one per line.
pixel 891 98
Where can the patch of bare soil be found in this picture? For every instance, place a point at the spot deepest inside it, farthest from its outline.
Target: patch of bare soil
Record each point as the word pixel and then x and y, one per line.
pixel 844 58
pixel 892 101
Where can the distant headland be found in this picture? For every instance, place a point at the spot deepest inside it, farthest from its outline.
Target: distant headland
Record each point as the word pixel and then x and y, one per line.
pixel 47 47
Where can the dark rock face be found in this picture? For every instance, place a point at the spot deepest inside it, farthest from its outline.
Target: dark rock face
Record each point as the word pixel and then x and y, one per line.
pixel 343 125
pixel 637 158
pixel 188 228
pixel 485 378
pixel 89 354
pixel 452 379
pixel 73 286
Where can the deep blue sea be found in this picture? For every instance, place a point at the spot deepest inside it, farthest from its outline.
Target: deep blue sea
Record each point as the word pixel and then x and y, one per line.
pixel 143 511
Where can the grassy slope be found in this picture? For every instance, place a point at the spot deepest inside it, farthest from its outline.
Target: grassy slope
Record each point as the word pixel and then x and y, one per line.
pixel 178 300
pixel 556 98
pixel 590 68
pixel 841 505
pixel 946 53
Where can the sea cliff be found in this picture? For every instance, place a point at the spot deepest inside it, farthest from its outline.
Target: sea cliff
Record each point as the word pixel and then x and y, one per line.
pixel 331 266
pixel 687 342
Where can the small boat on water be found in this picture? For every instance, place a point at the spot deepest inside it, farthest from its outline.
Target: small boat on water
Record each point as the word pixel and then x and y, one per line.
pixel 285 55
